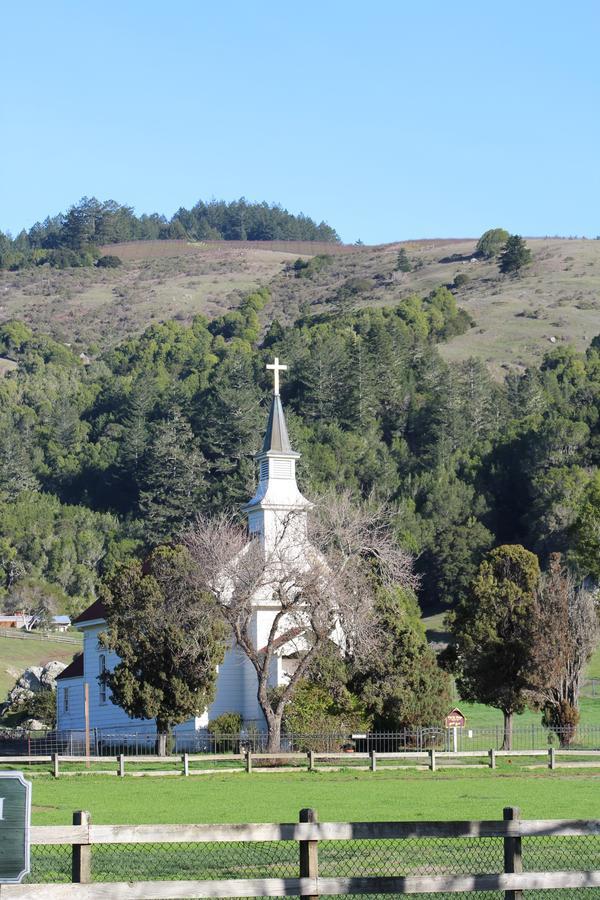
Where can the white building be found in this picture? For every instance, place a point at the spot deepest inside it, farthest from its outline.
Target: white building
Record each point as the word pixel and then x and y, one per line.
pixel 277 501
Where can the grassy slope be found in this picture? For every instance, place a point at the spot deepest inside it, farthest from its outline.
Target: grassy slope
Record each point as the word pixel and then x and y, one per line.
pixel 16 655
pixel 341 796
pixel 480 716
pixel 557 296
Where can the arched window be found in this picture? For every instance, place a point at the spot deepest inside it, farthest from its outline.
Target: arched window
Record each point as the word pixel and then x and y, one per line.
pixel 101 671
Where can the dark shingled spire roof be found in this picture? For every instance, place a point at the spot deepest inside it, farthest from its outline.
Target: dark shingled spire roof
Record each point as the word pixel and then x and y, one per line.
pixel 276 435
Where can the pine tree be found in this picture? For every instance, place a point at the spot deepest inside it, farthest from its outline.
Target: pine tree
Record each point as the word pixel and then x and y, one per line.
pixel 403 263
pixel 173 479
pixel 515 255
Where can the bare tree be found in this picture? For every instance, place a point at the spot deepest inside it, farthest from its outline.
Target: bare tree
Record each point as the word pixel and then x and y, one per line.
pixel 566 634
pixel 320 584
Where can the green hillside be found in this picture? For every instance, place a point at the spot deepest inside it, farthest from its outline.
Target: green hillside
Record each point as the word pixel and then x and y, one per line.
pixel 18 654
pixel 516 318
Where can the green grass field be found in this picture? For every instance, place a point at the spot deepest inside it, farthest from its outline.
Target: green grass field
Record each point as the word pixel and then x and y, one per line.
pixel 339 796
pixel 17 654
pixel 480 716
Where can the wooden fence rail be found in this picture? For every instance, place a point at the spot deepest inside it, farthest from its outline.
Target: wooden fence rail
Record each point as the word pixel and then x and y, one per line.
pixel 83 835
pixel 432 759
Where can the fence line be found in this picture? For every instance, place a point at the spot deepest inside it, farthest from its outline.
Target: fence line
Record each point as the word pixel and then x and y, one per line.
pixel 39 635
pixel 247 761
pixel 312 871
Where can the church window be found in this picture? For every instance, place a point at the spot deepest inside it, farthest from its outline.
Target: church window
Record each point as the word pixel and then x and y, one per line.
pixel 282 468
pixel 102 670
pixel 66 700
pixel 264 469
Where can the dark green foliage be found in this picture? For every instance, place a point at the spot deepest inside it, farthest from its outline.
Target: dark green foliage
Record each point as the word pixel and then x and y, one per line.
pixel 306 268
pixel 172 478
pixel 493 633
pixel 371 405
pixel 514 256
pixel 109 262
pixel 71 239
pixel 460 280
pixel 403 263
pixel 41 707
pixel 225 730
pixel 491 242
pixel 168 636
pixel 401 684
pixel 323 702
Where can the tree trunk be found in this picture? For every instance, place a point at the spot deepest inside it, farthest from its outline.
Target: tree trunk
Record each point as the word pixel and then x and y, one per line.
pixel 508 730
pixel 161 740
pixel 274 734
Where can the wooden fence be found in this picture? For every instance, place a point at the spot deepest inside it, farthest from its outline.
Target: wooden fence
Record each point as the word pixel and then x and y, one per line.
pixel 245 761
pixel 82 835
pixel 55 636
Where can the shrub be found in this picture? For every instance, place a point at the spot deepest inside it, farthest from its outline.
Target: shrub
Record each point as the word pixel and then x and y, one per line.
pixel 225 731
pixel 460 280
pixel 109 262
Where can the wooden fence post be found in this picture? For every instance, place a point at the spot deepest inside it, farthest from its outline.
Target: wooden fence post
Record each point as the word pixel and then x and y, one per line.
pixel 492 755
pixel 55 764
pixel 432 759
pixel 81 854
pixel 551 758
pixel 309 853
pixel 186 764
pixel 249 761
pixel 121 765
pixel 513 859
pixel 373 761
pixel 311 760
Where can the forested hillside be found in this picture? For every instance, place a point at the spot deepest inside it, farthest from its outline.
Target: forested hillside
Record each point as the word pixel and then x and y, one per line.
pixel 101 461
pixel 73 238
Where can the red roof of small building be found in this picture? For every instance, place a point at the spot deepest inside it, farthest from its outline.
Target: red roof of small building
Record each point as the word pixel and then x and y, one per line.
pixel 93 612
pixel 74 669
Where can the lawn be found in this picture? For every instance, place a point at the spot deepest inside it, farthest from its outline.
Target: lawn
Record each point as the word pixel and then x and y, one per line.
pixel 16 654
pixel 480 716
pixel 339 796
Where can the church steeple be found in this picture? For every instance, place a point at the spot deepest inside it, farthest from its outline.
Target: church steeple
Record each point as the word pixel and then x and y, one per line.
pixel 277 490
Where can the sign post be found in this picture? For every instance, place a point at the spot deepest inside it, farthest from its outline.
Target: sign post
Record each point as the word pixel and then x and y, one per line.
pixel 15 819
pixel 455 720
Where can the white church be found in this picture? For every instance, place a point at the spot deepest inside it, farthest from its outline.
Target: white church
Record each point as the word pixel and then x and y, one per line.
pixel 277 498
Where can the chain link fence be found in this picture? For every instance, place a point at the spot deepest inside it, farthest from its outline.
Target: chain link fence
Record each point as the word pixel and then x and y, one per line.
pixel 341 858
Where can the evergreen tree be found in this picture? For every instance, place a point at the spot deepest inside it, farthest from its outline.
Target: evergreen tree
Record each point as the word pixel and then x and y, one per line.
pixel 493 634
pixel 169 638
pixel 515 255
pixel 401 684
pixel 403 263
pixel 173 481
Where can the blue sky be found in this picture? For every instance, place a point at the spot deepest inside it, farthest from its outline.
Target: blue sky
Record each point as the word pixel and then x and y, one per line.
pixel 390 120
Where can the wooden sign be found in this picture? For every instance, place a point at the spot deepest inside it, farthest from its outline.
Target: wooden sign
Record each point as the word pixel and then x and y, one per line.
pixel 15 818
pixel 455 719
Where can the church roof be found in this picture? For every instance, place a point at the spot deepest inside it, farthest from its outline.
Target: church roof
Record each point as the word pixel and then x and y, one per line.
pixel 276 435
pixel 74 669
pixel 92 613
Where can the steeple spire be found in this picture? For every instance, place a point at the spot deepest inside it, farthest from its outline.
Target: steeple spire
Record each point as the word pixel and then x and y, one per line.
pixel 277 488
